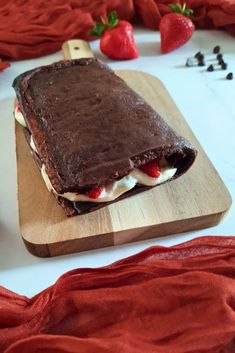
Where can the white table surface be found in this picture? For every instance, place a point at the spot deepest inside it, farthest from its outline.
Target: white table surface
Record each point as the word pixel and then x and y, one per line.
pixel 207 102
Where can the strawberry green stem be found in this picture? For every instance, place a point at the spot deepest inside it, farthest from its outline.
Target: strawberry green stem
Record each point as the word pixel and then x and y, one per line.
pixel 178 8
pixel 103 25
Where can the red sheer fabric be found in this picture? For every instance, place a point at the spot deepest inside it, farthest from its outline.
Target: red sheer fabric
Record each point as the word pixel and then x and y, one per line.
pixel 162 300
pixel 31 28
pixel 4 65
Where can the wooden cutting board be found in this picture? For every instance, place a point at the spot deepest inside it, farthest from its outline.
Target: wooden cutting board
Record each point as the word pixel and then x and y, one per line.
pixel 198 199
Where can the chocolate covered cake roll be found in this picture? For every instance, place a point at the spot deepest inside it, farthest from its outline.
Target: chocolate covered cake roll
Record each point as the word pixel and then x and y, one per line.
pixel 94 139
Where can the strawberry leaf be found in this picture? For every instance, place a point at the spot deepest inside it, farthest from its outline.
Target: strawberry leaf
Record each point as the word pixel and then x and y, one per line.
pixel 188 12
pixel 113 19
pixel 177 8
pixel 98 29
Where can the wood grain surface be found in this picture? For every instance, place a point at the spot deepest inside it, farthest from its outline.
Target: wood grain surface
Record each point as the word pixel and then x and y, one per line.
pixel 198 199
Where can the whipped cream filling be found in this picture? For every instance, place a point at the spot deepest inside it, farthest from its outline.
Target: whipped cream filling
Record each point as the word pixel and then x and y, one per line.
pixel 32 145
pixel 113 190
pixel 19 117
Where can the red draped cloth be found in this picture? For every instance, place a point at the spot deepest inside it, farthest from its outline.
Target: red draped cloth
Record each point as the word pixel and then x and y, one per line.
pixel 163 300
pixel 31 28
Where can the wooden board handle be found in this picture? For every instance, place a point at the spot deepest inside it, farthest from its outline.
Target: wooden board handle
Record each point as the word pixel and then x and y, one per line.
pixel 76 49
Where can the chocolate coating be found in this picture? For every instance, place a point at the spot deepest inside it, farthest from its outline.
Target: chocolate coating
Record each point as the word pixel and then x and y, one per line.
pixel 90 127
pixel 78 208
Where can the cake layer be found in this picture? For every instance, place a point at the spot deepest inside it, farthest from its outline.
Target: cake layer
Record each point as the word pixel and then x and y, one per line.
pixel 116 190
pixel 90 128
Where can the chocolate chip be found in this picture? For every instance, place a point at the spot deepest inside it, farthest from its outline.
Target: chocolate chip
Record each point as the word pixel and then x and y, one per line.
pixel 219 56
pixel 221 61
pixel 224 66
pixel 216 49
pixel 210 68
pixel 229 76
pixel 201 63
pixel 200 57
pixel 197 54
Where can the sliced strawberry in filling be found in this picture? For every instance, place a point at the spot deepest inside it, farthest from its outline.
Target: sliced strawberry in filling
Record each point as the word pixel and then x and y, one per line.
pixel 95 193
pixel 18 107
pixel 151 168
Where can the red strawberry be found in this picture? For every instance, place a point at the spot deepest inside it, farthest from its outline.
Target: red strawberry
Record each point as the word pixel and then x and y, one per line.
pixel 151 168
pixel 94 193
pixel 117 41
pixel 176 28
pixel 4 65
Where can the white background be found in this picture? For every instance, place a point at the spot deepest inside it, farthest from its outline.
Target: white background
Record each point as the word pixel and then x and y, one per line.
pixel 207 102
